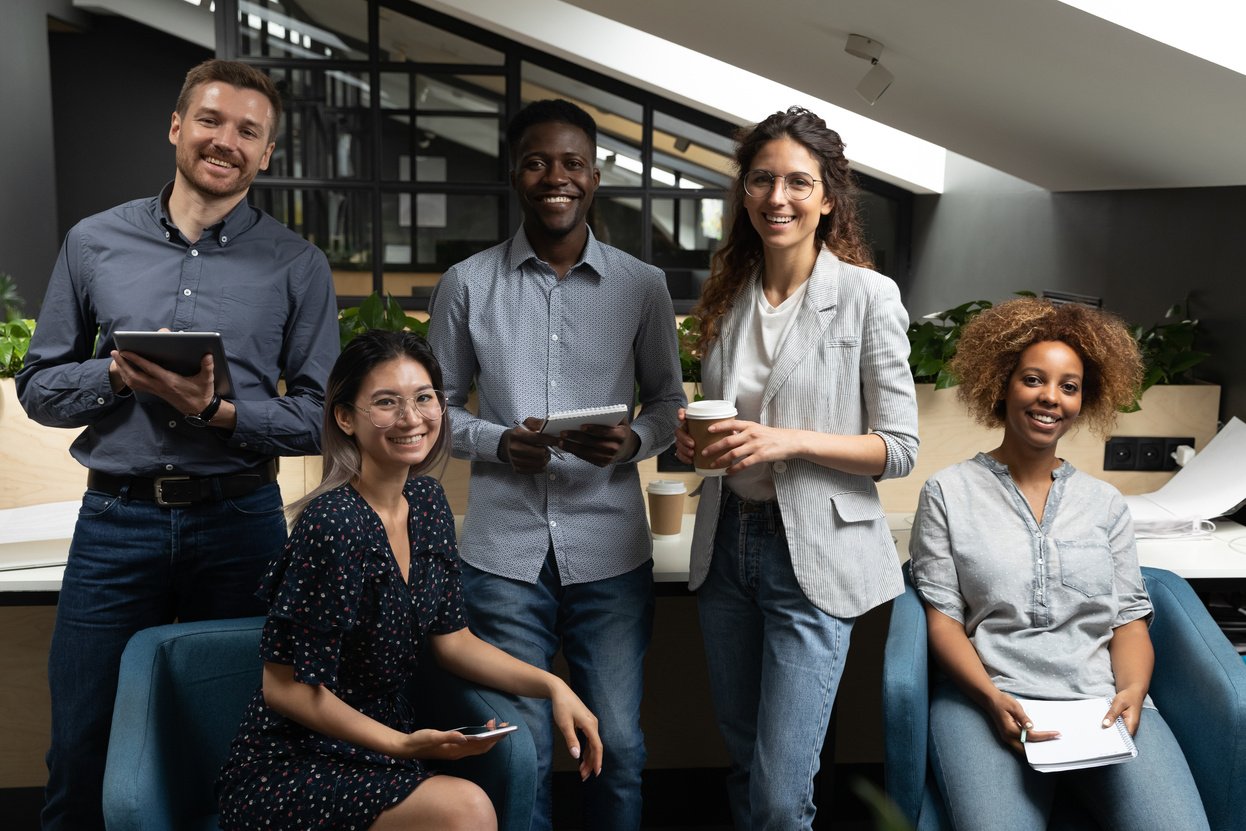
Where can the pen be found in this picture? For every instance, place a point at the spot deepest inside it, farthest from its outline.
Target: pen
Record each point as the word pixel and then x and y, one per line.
pixel 554 451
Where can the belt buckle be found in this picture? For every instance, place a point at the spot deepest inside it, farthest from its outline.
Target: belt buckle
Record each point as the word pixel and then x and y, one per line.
pixel 165 501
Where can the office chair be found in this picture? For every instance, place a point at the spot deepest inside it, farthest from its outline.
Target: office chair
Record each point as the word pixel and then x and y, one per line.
pixel 180 698
pixel 1199 684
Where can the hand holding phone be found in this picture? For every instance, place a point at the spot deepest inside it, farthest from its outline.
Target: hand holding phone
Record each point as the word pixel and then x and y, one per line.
pixel 476 732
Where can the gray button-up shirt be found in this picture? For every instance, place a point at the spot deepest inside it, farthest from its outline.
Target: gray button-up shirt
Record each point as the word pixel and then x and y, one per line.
pixel 533 345
pixel 1038 601
pixel 264 288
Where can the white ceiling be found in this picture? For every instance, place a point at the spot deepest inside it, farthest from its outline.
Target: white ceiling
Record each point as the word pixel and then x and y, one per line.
pixel 1034 88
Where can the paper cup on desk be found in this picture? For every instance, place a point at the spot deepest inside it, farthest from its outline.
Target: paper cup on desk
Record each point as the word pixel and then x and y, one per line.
pixel 666 507
pixel 699 416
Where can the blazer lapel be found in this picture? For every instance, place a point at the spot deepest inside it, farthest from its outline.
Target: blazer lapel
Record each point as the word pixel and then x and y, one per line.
pixel 815 315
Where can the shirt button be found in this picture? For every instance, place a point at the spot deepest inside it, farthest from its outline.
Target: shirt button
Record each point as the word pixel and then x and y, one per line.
pixel 224 239
pixel 779 467
pixel 553 337
pixel 168 467
pixel 553 524
pixel 172 424
pixel 242 444
pixel 553 383
pixel 552 477
pixel 167 235
pixel 186 292
pixel 99 401
pixel 194 252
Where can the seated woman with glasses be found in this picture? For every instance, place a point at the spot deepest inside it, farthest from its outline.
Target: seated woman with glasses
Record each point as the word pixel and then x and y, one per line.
pixel 1030 577
pixel 369 575
pixel 791 545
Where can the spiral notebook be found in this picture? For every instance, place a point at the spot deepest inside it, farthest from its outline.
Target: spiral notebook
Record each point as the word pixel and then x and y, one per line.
pixel 1084 742
pixel 555 423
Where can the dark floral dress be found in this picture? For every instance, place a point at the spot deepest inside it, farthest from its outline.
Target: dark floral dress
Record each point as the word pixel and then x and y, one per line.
pixel 342 616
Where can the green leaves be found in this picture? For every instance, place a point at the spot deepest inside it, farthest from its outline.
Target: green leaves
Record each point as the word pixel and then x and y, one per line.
pixel 375 313
pixel 932 344
pixel 1168 352
pixel 14 341
pixel 688 331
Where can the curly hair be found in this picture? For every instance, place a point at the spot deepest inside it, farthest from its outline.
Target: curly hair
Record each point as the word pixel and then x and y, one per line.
pixel 991 345
pixel 840 230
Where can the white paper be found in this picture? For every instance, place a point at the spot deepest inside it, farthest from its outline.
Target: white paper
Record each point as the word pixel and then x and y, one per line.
pixel 48 521
pixel 1212 484
pixel 1084 741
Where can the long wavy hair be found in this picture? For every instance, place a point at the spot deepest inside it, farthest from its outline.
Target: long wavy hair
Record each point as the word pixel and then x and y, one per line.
pixel 840 230
pixel 340 452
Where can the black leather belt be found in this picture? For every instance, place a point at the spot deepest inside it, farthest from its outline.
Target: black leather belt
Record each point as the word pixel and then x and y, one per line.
pixel 176 491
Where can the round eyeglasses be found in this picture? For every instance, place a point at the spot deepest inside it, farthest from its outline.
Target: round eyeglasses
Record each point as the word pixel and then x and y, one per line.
pixel 385 410
pixel 797 186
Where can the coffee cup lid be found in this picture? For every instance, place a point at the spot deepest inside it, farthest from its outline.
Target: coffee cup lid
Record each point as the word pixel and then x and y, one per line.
pixel 667 486
pixel 710 408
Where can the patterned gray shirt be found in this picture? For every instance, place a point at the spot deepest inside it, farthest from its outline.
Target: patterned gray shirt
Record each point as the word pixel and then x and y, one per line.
pixel 1039 602
pixel 534 344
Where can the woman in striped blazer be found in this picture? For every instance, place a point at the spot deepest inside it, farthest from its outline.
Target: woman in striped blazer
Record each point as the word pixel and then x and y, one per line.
pixel 792 544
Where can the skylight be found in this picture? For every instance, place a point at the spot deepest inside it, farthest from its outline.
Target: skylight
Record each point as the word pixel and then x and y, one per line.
pixel 1208 29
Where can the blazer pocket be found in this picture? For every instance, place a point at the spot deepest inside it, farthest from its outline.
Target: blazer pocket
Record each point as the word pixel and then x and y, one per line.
pixel 843 342
pixel 858 506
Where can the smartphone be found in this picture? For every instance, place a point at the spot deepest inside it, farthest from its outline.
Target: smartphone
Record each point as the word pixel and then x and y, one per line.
pixel 484 731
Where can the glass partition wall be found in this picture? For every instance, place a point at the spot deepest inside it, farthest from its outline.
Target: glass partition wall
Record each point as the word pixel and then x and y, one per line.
pixel 392 160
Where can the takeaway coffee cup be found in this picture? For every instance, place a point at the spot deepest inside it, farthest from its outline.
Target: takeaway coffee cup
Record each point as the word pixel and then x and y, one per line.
pixel 666 507
pixel 699 416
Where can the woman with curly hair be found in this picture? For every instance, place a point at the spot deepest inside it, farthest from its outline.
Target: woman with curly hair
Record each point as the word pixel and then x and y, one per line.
pixel 791 545
pixel 1031 582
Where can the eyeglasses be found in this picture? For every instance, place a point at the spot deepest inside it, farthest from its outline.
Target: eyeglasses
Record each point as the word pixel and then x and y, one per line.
pixel 385 410
pixel 797 186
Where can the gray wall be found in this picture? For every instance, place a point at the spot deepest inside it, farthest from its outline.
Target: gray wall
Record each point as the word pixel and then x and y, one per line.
pixel 86 119
pixel 28 238
pixel 989 235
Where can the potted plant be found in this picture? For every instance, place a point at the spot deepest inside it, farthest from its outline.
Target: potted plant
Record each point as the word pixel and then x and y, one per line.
pixel 1168 352
pixel 375 313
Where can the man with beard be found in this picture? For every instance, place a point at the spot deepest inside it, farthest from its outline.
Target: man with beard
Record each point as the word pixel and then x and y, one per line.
pixel 182 511
pixel 556 551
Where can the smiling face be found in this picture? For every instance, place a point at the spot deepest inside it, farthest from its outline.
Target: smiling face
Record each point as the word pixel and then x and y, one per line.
pixel 1044 396
pixel 407 442
pixel 555 179
pixel 783 222
pixel 222 140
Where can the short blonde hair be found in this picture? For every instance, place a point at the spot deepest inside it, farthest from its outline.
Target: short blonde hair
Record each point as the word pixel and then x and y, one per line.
pixel 991 345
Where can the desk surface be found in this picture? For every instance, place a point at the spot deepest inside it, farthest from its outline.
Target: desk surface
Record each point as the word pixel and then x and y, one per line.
pixel 1219 556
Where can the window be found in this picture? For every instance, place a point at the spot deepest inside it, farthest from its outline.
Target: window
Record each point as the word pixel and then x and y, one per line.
pixel 392 157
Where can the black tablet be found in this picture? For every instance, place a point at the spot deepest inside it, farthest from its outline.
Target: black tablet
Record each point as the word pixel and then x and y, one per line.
pixel 180 352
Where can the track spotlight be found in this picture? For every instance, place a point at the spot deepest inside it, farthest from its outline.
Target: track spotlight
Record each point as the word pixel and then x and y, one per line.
pixel 879 78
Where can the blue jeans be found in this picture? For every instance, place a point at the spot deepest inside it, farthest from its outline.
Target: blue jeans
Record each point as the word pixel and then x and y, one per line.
pixel 986 785
pixel 603 628
pixel 132 565
pixel 775 661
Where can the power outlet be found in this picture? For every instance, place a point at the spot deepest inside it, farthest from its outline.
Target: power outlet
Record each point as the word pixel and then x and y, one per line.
pixel 1142 452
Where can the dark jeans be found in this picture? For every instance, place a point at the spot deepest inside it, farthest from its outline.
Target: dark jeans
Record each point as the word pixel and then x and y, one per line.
pixel 132 565
pixel 603 628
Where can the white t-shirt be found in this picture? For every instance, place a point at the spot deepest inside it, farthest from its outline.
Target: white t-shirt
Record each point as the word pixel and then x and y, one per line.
pixel 767 328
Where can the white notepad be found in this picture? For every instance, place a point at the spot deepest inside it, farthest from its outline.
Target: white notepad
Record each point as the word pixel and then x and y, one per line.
pixel 1084 742
pixel 555 423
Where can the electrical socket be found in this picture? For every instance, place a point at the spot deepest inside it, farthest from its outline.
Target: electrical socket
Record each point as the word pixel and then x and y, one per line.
pixel 1142 452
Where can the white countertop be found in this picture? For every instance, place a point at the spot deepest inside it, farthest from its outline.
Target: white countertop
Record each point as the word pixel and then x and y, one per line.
pixel 1221 555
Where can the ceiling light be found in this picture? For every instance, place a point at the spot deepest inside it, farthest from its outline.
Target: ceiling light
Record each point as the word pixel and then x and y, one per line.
pixel 879 78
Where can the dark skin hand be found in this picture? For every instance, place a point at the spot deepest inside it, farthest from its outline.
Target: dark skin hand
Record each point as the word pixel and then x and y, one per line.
pixel 525 448
pixel 600 445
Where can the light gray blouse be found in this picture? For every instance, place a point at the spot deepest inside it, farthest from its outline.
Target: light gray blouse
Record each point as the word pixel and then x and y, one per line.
pixel 1038 601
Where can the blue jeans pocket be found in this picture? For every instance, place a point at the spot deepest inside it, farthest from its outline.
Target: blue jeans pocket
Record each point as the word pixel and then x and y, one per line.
pixel 95 504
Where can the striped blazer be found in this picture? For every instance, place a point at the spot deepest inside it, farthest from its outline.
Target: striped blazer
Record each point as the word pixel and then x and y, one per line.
pixel 842 369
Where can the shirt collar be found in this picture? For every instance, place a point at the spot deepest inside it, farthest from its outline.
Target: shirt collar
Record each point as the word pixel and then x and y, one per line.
pixel 236 222
pixel 592 255
pixel 1065 469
